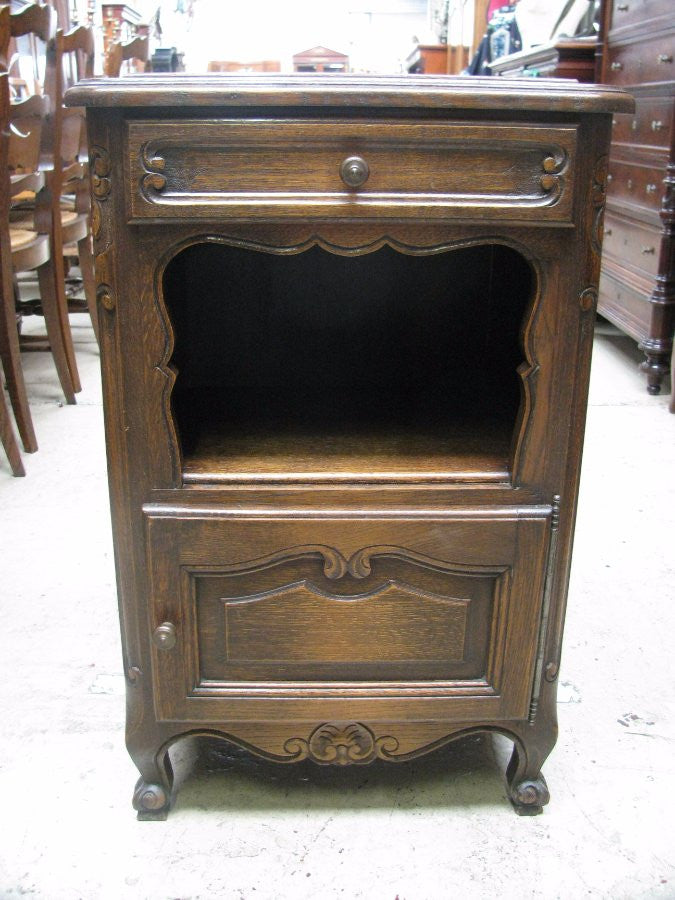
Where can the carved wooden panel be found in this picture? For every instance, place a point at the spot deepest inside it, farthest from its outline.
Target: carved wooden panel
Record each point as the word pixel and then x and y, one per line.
pixel 395 624
pixel 292 169
pixel 233 618
pixel 403 617
pixel 399 616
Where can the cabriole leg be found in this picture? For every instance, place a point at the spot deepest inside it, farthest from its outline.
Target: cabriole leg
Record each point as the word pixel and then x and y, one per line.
pixel 528 791
pixel 152 794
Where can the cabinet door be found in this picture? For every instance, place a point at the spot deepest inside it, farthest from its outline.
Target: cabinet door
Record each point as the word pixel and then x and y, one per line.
pixel 439 615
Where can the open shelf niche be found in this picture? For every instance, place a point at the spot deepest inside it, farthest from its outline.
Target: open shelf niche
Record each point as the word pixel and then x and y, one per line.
pixel 322 366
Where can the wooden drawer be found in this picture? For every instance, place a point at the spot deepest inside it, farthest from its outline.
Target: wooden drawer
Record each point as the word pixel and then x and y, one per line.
pixel 334 609
pixel 641 12
pixel 640 62
pixel 651 126
pixel 291 169
pixel 632 244
pixel 638 184
pixel 629 309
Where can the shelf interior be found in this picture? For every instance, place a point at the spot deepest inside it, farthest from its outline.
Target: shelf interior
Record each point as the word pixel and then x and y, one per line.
pixel 384 365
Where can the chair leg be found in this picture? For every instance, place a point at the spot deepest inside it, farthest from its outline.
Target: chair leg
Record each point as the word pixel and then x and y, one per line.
pixel 11 361
pixel 86 258
pixel 58 294
pixel 54 323
pixel 8 438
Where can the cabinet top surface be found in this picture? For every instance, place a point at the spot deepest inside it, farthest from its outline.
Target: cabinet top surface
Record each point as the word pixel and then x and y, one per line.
pixel 356 91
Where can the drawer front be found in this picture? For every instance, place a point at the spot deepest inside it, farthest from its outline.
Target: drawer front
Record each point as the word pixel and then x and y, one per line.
pixel 641 62
pixel 632 244
pixel 262 169
pixel 640 12
pixel 637 184
pixel 262 611
pixel 629 309
pixel 651 126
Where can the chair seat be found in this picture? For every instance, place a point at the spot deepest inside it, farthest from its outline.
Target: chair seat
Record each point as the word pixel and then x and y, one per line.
pixel 21 219
pixel 68 216
pixel 26 199
pixel 20 237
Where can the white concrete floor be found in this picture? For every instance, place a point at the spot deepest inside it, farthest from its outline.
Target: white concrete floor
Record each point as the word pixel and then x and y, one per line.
pixel 437 828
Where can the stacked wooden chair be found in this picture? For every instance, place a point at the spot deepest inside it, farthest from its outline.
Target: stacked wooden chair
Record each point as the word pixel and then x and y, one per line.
pixel 45 208
pixel 137 50
pixel 72 59
pixel 9 343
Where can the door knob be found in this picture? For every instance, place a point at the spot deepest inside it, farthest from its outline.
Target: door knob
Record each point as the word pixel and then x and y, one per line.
pixel 354 171
pixel 164 636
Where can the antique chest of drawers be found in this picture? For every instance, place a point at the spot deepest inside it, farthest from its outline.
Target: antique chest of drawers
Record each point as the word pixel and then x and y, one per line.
pixel 346 327
pixel 637 285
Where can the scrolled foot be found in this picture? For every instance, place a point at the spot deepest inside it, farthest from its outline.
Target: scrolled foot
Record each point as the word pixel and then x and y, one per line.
pixel 530 796
pixel 151 801
pixel 656 366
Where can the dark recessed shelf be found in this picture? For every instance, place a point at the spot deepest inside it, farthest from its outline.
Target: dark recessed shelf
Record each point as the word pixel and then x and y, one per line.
pixel 324 367
pixel 322 440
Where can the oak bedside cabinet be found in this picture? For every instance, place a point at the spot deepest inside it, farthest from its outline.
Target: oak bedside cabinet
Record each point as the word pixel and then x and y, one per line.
pixel 346 329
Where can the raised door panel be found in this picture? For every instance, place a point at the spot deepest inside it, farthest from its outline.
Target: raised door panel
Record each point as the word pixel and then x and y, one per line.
pixel 291 621
pixel 443 615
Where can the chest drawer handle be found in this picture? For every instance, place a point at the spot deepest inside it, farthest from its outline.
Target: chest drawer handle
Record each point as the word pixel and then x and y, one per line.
pixel 664 58
pixel 623 7
pixel 648 251
pixel 164 636
pixel 650 189
pixel 616 66
pixel 608 231
pixel 354 171
pixel 657 125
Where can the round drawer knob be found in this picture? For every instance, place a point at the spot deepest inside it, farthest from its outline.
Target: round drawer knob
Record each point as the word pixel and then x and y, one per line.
pixel 164 636
pixel 354 171
pixel 616 66
pixel 664 58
